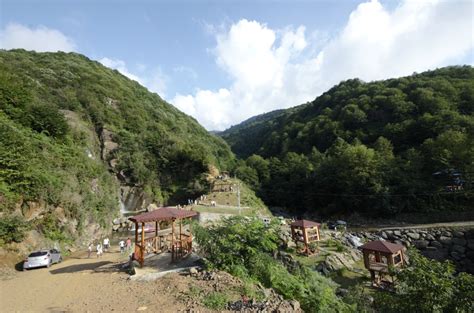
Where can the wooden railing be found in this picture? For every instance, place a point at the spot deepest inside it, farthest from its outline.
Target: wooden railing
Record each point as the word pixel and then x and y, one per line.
pixel 378 266
pixel 182 248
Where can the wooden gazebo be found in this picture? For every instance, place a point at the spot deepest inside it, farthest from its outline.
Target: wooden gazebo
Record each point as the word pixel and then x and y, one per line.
pixel 179 243
pixel 379 255
pixel 306 232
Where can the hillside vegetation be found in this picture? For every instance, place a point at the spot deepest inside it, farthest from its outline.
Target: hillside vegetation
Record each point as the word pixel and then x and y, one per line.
pixel 72 131
pixel 390 146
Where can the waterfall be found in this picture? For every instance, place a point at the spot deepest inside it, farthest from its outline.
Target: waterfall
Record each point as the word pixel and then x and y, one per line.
pixel 131 201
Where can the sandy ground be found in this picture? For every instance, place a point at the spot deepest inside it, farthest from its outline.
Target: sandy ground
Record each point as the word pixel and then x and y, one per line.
pixel 80 284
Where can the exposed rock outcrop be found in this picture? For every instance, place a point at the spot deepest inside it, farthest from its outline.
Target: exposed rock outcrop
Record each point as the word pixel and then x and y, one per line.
pixel 107 143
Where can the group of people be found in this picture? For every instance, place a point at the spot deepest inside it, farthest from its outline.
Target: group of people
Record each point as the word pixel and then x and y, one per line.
pixel 105 246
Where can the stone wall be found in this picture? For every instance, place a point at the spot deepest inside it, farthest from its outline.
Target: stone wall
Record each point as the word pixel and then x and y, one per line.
pixel 455 244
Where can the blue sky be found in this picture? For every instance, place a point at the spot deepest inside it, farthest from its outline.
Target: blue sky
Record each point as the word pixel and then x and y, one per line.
pixel 224 61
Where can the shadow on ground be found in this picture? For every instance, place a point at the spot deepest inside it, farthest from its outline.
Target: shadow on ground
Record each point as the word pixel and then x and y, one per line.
pixel 81 267
pixel 19 266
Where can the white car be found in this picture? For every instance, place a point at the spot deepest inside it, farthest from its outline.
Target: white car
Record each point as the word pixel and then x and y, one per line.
pixel 42 258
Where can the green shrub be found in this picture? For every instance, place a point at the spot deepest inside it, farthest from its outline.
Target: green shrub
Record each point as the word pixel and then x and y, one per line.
pixel 50 227
pixel 244 247
pixel 12 229
pixel 48 119
pixel 340 247
pixel 215 301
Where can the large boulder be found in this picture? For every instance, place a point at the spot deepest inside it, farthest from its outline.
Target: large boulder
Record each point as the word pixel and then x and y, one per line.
pixel 436 244
pixel 459 241
pixel 421 244
pixel 429 237
pixel 413 236
pixel 445 240
pixel 458 234
pixel 458 249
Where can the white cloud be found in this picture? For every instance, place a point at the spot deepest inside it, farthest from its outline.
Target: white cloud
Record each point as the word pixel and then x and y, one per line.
pixel 416 36
pixel 274 69
pixel 120 66
pixel 187 71
pixel 40 39
pixel 154 80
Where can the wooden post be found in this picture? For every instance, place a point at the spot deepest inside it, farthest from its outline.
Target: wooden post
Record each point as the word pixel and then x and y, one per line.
pixel 143 240
pixel 156 237
pixel 172 241
pixel 136 233
pixel 366 259
pixel 160 243
pixel 305 239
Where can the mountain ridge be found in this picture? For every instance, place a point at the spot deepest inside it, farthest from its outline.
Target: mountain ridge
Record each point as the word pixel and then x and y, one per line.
pixel 83 140
pixel 367 147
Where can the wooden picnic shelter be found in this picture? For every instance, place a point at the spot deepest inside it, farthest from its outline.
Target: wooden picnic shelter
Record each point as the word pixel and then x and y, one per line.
pixel 306 232
pixel 379 255
pixel 178 241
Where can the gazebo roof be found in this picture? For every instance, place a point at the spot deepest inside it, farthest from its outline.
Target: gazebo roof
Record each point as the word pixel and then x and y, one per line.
pixel 162 214
pixel 382 246
pixel 305 224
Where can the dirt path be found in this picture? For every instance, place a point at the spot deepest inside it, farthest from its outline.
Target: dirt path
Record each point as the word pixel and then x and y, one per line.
pixel 80 284
pixel 435 225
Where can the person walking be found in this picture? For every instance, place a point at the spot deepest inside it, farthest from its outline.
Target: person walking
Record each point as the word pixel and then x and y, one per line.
pixel 99 250
pixel 89 250
pixel 106 244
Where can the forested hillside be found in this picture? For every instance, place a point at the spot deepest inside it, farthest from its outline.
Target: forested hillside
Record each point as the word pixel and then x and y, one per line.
pixel 73 131
pixel 390 146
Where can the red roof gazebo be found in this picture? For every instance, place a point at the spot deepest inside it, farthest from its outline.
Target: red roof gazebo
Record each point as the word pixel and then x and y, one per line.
pixel 306 232
pixel 379 255
pixel 180 245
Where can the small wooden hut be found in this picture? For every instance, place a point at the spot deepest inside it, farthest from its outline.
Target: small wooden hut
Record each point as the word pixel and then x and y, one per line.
pixel 179 243
pixel 306 232
pixel 379 256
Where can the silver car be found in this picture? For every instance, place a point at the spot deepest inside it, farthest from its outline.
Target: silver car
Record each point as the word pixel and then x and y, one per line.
pixel 42 258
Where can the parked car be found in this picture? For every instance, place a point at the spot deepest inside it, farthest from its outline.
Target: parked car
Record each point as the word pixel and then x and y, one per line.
pixel 42 258
pixel 337 225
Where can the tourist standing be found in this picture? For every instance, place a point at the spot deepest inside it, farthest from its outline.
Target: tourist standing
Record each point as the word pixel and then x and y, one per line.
pixel 99 250
pixel 122 246
pixel 129 244
pixel 89 250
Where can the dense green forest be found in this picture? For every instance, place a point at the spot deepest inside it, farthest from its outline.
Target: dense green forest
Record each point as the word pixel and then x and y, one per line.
pixel 57 110
pixel 398 145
